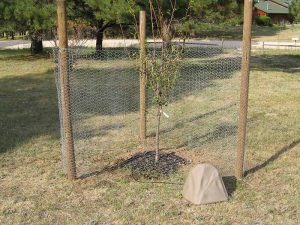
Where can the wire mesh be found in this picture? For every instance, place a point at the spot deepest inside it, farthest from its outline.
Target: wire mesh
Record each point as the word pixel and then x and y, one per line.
pixel 199 123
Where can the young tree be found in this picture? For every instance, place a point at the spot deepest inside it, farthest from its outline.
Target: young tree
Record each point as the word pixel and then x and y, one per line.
pixel 162 74
pixel 162 64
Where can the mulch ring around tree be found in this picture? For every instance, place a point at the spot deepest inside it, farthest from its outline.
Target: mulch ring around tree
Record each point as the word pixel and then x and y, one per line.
pixel 143 165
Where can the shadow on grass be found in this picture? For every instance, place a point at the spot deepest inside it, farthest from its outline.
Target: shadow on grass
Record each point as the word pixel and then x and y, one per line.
pixel 113 89
pixel 142 165
pixel 192 119
pixel 273 157
pixel 28 105
pixel 81 133
pixel 230 183
pixel 272 62
pixel 222 131
pixel 22 55
pixel 28 109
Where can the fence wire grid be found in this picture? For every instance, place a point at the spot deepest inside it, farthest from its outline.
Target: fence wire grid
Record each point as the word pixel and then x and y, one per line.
pixel 200 122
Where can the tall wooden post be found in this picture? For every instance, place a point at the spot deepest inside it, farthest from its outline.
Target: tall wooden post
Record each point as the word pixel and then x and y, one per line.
pixel 239 170
pixel 142 75
pixel 68 143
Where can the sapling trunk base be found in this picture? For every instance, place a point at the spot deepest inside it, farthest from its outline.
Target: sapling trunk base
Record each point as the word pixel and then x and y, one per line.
pixel 159 108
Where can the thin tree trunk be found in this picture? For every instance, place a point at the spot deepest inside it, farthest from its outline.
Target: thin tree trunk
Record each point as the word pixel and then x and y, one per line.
pixel 36 45
pixel 166 33
pixel 54 37
pixel 99 35
pixel 99 40
pixel 157 133
pixel 12 36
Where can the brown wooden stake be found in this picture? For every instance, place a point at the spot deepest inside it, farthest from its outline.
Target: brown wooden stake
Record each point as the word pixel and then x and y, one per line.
pixel 142 75
pixel 68 143
pixel 239 170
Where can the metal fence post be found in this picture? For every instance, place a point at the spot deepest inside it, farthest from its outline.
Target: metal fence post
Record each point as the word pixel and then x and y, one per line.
pixel 68 143
pixel 142 75
pixel 239 169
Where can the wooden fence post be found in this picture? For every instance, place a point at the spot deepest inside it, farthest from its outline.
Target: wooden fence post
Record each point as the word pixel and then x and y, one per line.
pixel 142 24
pixel 68 143
pixel 239 169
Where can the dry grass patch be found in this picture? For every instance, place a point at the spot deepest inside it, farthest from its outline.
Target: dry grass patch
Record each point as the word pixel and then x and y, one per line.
pixel 35 191
pixel 276 33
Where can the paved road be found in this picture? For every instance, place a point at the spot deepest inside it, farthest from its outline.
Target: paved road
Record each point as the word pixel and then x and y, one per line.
pixel 19 44
pixel 9 43
pixel 225 43
pixel 119 43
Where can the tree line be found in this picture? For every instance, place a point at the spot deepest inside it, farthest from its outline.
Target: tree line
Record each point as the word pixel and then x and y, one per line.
pixel 94 18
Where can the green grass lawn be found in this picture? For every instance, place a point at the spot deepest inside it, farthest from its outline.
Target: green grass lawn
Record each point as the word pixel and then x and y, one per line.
pixel 34 189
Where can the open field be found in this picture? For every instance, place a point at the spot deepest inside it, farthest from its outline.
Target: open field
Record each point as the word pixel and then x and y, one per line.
pixel 275 33
pixel 35 191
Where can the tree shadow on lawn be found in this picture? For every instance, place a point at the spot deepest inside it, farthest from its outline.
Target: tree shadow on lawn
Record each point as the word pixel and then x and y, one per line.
pixel 274 157
pixel 87 132
pixel 115 90
pixel 192 119
pixel 28 109
pixel 142 165
pixel 223 130
pixel 28 103
pixel 280 62
pixel 22 55
pixel 220 132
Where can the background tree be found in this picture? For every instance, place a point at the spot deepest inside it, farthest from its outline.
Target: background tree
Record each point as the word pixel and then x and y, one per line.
pixel 37 16
pixel 8 23
pixel 191 16
pixel 295 10
pixel 100 14
pixel 206 14
pixel 161 13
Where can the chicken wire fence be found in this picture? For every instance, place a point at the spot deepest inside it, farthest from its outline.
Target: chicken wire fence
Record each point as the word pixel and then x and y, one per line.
pixel 198 125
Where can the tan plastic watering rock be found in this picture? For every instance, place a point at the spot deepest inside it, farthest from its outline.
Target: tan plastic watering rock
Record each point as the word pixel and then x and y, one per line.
pixel 204 185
